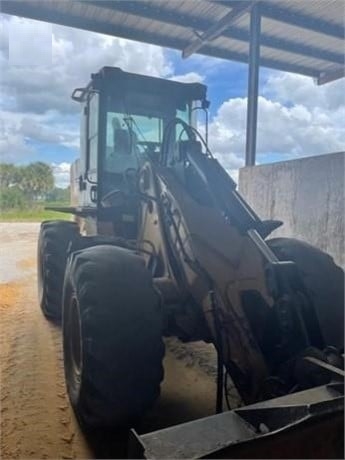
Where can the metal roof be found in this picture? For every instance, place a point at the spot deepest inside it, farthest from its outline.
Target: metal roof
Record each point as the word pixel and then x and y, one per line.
pixel 301 36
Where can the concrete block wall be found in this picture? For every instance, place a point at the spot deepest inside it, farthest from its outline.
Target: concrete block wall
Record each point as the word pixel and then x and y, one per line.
pixel 306 194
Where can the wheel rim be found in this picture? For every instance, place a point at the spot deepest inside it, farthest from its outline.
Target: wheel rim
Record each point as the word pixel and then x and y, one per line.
pixel 73 352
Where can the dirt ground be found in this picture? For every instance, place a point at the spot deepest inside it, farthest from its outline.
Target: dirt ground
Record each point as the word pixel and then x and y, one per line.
pixel 36 417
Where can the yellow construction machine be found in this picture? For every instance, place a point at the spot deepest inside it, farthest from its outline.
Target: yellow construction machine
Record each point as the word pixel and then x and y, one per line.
pixel 164 245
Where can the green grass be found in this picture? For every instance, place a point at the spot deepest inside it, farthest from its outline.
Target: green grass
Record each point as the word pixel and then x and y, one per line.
pixel 36 214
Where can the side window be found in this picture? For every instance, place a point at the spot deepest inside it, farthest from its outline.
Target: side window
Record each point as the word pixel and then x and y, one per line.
pixel 93 131
pixel 180 133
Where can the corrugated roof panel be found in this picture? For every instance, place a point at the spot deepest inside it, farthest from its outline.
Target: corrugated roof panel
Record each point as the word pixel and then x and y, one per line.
pixel 173 24
pixel 272 54
pixel 330 68
pixel 153 26
pixel 293 58
pixel 124 19
pixel 243 21
pixel 197 8
pixel 331 11
pixel 231 45
pixel 303 36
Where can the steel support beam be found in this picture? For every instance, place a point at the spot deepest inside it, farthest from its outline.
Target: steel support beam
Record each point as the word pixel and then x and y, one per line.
pixel 218 28
pixel 253 84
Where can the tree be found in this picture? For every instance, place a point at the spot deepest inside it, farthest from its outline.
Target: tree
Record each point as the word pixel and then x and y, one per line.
pixel 8 175
pixel 12 198
pixel 37 180
pixel 34 181
pixel 58 194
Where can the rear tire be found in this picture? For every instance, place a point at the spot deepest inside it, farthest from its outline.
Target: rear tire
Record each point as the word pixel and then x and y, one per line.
pixel 112 336
pixel 324 282
pixel 54 239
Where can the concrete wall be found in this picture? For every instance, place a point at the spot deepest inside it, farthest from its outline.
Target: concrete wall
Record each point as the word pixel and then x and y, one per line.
pixel 306 194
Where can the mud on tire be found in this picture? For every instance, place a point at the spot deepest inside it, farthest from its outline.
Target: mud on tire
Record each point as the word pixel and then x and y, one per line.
pixel 54 239
pixel 112 337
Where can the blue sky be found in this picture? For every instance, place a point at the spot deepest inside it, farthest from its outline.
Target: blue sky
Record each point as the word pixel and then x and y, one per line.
pixel 224 79
pixel 42 63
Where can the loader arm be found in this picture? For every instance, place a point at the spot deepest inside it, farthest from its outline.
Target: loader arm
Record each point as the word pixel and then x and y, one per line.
pixel 256 308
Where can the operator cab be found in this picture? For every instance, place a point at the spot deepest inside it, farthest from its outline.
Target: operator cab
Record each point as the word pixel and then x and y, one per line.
pixel 124 116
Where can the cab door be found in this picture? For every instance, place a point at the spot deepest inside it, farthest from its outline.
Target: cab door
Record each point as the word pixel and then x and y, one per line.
pixel 91 173
pixel 89 137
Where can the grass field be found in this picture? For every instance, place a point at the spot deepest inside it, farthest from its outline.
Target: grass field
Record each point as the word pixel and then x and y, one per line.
pixel 36 214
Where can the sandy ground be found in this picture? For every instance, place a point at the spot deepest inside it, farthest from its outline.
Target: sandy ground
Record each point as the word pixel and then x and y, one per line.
pixel 36 418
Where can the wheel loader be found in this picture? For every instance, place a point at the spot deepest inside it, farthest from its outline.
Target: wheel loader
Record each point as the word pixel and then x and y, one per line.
pixel 162 244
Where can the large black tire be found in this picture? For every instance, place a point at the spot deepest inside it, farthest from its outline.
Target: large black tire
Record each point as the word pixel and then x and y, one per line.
pixel 112 337
pixel 324 282
pixel 54 239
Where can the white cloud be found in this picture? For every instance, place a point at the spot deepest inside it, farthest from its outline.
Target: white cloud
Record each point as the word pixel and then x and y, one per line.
pixel 290 88
pixel 35 99
pixel 61 173
pixel 190 77
pixel 20 131
pixel 12 147
pixel 12 143
pixel 75 55
pixel 296 118
pixel 34 35
pixel 32 129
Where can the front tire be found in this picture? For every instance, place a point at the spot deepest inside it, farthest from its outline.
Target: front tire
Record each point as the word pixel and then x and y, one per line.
pixel 53 242
pixel 112 337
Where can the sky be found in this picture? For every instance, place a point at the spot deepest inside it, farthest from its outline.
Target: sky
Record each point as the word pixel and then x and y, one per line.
pixel 42 63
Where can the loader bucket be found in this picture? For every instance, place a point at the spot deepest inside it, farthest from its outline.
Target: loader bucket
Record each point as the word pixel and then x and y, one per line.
pixel 307 424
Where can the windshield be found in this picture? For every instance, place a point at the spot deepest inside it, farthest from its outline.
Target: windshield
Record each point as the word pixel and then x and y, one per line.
pixel 134 129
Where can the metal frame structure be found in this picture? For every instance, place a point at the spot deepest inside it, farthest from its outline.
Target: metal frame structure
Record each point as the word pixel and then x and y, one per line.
pixel 253 84
pixel 305 37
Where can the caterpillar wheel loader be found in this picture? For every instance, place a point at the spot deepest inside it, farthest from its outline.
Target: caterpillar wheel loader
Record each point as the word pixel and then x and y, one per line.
pixel 162 244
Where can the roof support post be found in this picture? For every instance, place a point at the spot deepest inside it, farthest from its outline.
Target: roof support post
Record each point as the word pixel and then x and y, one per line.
pixel 253 84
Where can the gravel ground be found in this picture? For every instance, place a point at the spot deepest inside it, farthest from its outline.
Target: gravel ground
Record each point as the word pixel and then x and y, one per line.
pixel 36 418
